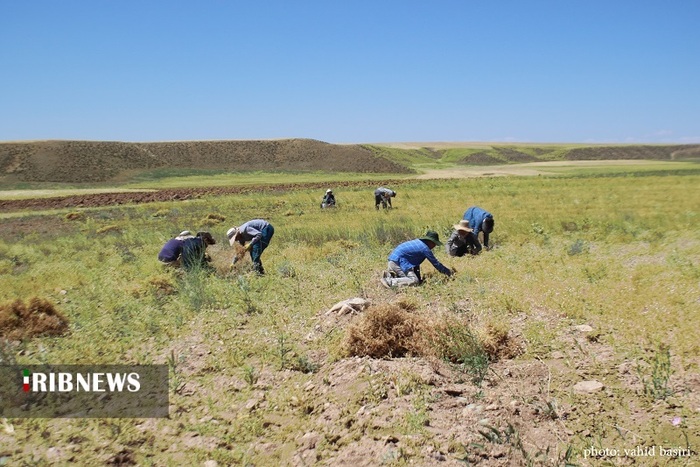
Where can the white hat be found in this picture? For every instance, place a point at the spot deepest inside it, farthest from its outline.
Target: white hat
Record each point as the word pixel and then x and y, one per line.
pixel 184 233
pixel 329 191
pixel 231 235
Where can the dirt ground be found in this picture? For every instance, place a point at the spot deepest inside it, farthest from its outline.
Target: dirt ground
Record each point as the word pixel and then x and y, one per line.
pixel 172 194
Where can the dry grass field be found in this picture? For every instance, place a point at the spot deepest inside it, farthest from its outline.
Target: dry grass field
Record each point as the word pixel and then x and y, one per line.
pixel 571 342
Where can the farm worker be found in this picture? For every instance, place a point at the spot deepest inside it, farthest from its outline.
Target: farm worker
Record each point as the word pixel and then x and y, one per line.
pixel 461 242
pixel 481 221
pixel 170 253
pixel 405 260
pixel 383 195
pixel 258 233
pixel 194 252
pixel 328 199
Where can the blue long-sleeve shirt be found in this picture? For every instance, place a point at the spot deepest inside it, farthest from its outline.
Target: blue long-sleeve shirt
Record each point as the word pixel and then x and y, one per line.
pixel 251 231
pixel 171 250
pixel 412 253
pixel 476 215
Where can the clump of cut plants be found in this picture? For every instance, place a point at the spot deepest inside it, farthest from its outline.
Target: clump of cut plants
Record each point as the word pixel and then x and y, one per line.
pixel 499 344
pixel 38 317
pixel 212 220
pixel 161 286
pixel 387 330
pixel 108 229
pixel 75 216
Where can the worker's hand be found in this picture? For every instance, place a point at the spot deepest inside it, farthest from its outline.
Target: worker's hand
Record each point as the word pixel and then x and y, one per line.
pixel 453 271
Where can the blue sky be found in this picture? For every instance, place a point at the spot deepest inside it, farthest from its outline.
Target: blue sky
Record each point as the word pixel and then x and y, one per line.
pixel 351 71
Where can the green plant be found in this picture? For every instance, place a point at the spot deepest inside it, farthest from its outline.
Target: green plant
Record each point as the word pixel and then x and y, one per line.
pixel 304 364
pixel 286 269
pixel 656 384
pixel 283 350
pixel 578 247
pixel 192 285
pixel 246 295
pixel 458 344
pixel 250 374
pixel 177 382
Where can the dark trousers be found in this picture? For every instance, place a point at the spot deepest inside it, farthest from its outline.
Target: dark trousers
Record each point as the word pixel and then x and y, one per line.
pixel 258 248
pixel 384 201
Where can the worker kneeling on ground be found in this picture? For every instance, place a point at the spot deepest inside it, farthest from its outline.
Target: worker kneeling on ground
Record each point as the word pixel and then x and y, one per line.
pixel 328 200
pixel 404 262
pixel 461 241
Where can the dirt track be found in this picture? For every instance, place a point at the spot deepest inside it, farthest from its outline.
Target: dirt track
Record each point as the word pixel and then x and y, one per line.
pixel 174 194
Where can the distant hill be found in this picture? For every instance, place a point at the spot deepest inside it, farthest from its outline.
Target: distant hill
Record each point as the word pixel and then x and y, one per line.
pixel 97 161
pixel 100 161
pixel 413 154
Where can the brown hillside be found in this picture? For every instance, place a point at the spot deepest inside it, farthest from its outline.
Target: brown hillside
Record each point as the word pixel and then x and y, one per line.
pixel 634 152
pixel 98 161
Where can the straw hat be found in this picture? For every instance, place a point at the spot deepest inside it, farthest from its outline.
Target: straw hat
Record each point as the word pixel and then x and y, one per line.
pixel 231 234
pixel 463 226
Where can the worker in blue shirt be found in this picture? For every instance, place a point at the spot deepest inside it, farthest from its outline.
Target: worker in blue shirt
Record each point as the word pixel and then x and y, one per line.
pixel 404 262
pixel 481 221
pixel 194 251
pixel 170 254
pixel 255 235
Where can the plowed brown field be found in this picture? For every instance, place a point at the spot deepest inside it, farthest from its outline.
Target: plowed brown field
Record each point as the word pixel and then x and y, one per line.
pixel 172 194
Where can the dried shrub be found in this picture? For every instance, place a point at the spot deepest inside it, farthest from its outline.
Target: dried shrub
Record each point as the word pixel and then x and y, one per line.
pixel 212 219
pixel 36 318
pixel 109 228
pixel 161 286
pixel 499 344
pixel 398 329
pixel 238 252
pixel 74 216
pixel 387 330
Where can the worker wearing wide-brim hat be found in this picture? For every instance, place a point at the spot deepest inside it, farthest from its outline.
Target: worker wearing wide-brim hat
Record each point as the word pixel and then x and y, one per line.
pixel 404 263
pixel 170 254
pixel 255 236
pixel 461 240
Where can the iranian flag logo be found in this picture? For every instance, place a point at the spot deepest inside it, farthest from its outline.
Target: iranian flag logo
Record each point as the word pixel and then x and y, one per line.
pixel 25 385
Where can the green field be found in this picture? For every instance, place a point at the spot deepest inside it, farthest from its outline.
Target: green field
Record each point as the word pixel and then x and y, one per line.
pixel 258 369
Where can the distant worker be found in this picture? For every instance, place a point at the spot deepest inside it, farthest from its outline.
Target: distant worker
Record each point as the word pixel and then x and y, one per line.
pixel 383 195
pixel 328 199
pixel 172 250
pixel 194 251
pixel 255 236
pixel 461 242
pixel 404 263
pixel 481 221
